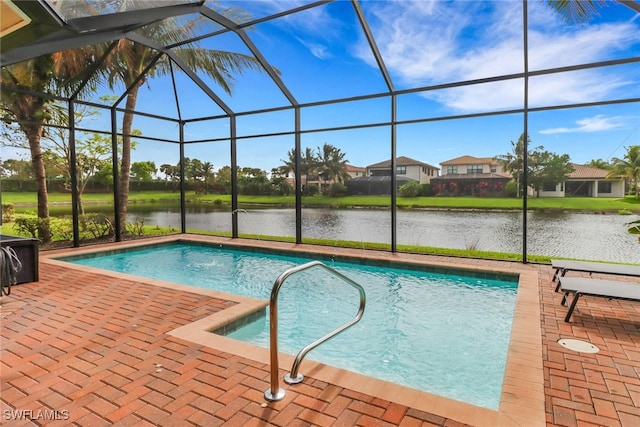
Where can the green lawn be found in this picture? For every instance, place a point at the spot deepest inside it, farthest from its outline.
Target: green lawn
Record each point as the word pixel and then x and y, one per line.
pixel 571 203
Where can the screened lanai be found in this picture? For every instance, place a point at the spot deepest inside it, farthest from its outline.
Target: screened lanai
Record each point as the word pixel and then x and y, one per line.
pixel 225 103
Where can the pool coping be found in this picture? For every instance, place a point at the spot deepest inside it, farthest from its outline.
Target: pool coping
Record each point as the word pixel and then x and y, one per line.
pixel 522 399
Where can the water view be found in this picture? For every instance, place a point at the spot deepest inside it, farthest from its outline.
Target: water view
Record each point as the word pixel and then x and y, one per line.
pixel 573 235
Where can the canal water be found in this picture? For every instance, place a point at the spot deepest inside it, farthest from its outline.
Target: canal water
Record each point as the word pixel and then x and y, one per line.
pixel 599 237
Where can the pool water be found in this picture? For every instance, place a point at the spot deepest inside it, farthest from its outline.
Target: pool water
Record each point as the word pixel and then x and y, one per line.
pixel 446 334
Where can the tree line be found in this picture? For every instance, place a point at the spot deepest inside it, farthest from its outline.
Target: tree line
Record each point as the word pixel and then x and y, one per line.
pixel 94 166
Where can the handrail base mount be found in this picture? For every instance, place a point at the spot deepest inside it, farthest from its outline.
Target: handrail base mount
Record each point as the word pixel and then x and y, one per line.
pixel 274 397
pixel 289 380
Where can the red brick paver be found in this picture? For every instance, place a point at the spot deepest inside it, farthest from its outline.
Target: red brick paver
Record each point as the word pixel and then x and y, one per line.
pixel 96 350
pixel 584 389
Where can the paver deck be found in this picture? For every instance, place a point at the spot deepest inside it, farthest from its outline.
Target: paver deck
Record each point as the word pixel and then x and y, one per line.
pixel 87 349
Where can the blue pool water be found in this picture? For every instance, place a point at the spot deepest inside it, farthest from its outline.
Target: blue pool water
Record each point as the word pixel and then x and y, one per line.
pixel 447 334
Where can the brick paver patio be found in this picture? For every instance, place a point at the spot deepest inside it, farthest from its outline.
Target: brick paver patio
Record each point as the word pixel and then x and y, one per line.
pixel 88 350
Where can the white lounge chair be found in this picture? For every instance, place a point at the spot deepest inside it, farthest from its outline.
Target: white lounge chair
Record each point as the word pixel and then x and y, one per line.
pixel 579 286
pixel 562 266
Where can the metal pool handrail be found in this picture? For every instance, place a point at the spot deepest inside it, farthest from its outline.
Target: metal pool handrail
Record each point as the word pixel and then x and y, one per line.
pixel 275 393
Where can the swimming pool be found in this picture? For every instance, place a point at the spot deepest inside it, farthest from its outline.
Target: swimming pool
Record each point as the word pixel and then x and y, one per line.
pixel 445 334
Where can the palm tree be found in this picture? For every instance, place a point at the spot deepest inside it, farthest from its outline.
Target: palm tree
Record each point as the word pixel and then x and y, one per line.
pixel 577 11
pixel 45 74
pixel 308 162
pixel 193 171
pixel 331 164
pixel 31 113
pixel 599 164
pixel 171 172
pixel 129 60
pixel 208 175
pixel 628 168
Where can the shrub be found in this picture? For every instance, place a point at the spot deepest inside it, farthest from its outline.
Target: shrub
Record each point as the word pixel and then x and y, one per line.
pixel 8 210
pixel 426 190
pixel 136 227
pixel 511 189
pixel 97 225
pixel 437 188
pixel 410 189
pixel 482 187
pixel 62 227
pixel 337 189
pixel 280 187
pixel 33 226
pixel 310 190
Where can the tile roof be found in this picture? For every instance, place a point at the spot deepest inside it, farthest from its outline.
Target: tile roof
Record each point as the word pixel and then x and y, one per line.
pixel 472 176
pixel 351 168
pixel 582 171
pixel 466 160
pixel 401 161
pixel 380 178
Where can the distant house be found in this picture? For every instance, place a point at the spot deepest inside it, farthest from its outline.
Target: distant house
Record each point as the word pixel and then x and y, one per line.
pixel 406 167
pixel 586 181
pixel 468 175
pixel 313 179
pixel 377 178
pixel 469 165
pixel 355 171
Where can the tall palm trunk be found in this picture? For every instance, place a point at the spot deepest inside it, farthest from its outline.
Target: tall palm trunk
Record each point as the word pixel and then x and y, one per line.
pixel 34 133
pixel 125 164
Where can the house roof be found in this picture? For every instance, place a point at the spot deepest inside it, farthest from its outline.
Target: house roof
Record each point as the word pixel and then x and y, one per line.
pixel 401 161
pixel 379 178
pixel 466 160
pixel 582 172
pixel 461 176
pixel 351 168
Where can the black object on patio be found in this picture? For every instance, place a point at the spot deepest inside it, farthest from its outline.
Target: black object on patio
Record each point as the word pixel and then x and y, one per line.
pixel 26 249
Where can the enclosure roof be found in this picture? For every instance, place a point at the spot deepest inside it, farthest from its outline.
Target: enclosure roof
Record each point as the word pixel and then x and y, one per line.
pixel 308 53
pixel 47 26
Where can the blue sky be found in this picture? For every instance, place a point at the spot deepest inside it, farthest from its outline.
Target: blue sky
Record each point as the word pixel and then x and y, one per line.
pixel 322 54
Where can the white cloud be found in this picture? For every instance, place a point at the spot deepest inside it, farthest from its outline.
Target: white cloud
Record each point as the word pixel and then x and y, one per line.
pixel 597 123
pixel 427 43
pixel 318 50
pixel 316 29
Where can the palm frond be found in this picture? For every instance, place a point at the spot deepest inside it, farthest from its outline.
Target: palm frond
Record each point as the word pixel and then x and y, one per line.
pixel 576 11
pixel 221 66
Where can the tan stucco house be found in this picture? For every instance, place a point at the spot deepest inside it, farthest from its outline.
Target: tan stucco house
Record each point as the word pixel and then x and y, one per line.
pixel 405 167
pixel 355 171
pixel 469 165
pixel 377 177
pixel 586 181
pixel 468 175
